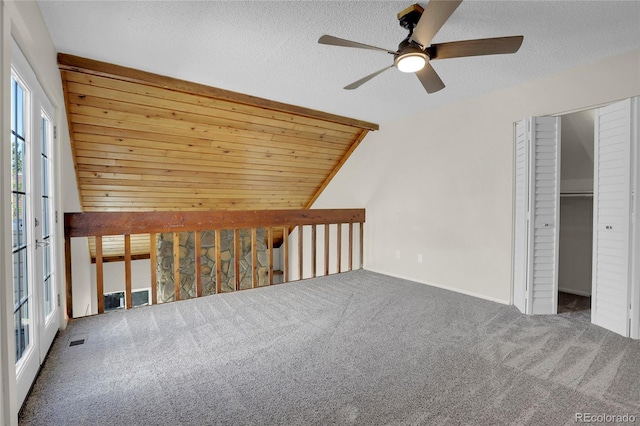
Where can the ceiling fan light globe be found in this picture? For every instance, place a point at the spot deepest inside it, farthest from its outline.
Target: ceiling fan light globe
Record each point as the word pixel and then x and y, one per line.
pixel 411 62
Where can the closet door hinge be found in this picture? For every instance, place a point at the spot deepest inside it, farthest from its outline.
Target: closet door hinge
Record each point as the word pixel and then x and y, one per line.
pixel 55 132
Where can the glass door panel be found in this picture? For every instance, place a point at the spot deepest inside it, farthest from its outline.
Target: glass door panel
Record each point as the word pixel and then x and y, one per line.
pixel 19 183
pixel 45 243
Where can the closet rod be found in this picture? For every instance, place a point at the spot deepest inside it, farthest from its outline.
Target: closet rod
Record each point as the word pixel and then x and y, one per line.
pixel 576 194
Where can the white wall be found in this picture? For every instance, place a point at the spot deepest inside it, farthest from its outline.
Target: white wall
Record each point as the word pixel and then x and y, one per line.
pixel 84 294
pixel 576 171
pixel 439 183
pixel 114 275
pixel 277 258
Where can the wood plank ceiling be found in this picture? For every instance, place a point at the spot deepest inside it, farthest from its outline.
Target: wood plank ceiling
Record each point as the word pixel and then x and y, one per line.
pixel 145 142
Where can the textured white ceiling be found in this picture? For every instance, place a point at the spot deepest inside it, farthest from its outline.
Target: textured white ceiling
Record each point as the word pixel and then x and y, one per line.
pixel 269 49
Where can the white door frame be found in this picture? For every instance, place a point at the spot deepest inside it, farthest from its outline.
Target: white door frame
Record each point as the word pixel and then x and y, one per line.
pixel 520 242
pixel 635 220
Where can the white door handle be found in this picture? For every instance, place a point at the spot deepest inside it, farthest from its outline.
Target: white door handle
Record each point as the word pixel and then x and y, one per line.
pixel 42 244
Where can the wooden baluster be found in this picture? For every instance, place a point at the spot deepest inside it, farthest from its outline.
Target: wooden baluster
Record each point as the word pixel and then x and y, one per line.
pixel 254 257
pixel 198 246
pixel 67 265
pixel 285 253
pixel 127 271
pixel 176 264
pixel 326 249
pixel 313 250
pixel 361 245
pixel 236 258
pixel 87 224
pixel 218 265
pixel 153 251
pixel 339 247
pixel 350 246
pixel 99 275
pixel 300 252
pixel 270 241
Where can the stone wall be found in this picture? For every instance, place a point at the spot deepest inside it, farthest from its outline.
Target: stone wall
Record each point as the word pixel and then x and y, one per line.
pixel 206 257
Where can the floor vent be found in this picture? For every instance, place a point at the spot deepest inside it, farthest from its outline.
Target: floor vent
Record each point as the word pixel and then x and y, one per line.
pixel 76 342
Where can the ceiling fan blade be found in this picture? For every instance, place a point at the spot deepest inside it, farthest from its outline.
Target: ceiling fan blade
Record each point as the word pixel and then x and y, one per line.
pixel 335 41
pixel 430 79
pixel 482 46
pixel 435 14
pixel 360 82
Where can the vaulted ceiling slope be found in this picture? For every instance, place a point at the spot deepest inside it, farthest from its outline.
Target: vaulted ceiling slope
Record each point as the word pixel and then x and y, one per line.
pixel 144 142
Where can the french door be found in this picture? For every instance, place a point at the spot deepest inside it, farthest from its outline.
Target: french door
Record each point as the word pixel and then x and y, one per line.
pixel 34 275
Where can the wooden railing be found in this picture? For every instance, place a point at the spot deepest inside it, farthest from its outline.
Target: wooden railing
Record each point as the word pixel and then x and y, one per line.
pixel 102 224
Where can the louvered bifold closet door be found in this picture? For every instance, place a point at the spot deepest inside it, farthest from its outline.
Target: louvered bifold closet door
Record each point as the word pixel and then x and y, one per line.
pixel 545 213
pixel 521 222
pixel 612 217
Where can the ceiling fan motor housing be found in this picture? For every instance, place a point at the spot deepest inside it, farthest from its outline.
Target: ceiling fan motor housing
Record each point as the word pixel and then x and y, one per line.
pixel 410 57
pixel 407 47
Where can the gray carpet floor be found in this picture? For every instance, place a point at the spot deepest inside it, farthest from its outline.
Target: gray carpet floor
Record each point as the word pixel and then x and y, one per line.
pixel 356 348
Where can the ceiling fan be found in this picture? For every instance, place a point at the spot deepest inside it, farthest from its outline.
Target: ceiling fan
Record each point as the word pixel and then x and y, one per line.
pixel 415 52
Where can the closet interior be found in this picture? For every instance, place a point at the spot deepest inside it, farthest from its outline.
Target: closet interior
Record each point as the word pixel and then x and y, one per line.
pixel 576 212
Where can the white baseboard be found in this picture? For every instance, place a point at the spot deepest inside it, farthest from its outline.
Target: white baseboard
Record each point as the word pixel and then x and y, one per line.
pixel 576 292
pixel 444 287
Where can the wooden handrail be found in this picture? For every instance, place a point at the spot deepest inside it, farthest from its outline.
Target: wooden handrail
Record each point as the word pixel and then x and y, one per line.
pixel 103 224
pixel 122 223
